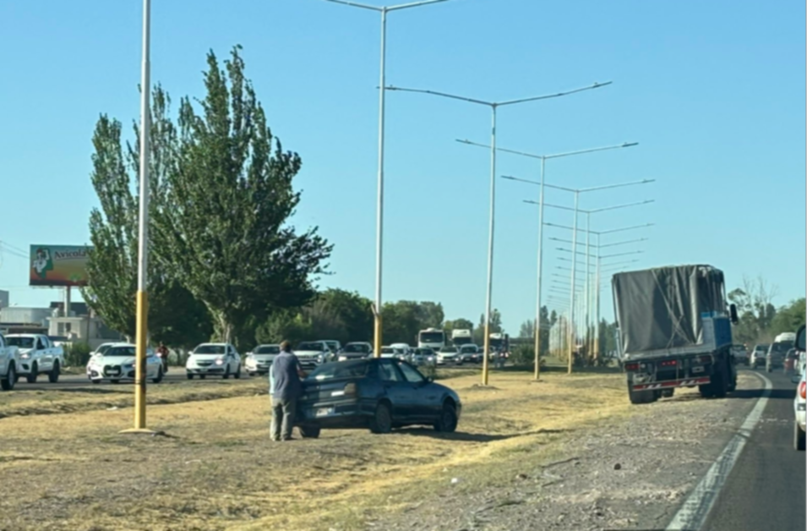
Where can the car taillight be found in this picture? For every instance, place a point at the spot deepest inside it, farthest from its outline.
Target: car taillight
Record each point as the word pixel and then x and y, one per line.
pixel 803 389
pixel 350 389
pixel 668 363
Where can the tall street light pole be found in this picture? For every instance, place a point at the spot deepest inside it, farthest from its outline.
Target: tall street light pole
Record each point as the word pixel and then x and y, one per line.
pixel 493 105
pixel 381 114
pixel 544 158
pixel 142 243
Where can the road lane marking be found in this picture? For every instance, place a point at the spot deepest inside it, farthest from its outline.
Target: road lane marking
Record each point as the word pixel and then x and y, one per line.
pixel 692 515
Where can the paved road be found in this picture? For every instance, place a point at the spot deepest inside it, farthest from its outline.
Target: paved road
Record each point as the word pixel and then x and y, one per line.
pixel 72 381
pixel 766 487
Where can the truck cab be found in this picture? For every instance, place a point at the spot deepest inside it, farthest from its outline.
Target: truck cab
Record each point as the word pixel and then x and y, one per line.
pixel 37 356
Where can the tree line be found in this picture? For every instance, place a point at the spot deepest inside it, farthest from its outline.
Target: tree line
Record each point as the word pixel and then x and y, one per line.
pixel 225 263
pixel 760 321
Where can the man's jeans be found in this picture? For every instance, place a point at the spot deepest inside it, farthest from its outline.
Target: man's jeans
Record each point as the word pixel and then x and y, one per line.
pixel 283 413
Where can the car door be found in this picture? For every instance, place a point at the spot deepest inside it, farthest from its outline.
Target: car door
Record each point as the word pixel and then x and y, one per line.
pixel 424 397
pixel 396 389
pixel 44 355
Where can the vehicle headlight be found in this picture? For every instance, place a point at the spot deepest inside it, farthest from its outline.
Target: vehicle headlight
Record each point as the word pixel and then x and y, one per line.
pixel 219 361
pixel 25 356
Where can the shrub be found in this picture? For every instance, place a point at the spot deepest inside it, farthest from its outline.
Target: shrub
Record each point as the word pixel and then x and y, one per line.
pixel 76 354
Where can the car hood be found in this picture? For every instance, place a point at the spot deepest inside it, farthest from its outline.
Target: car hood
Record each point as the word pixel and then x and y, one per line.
pixel 308 353
pixel 206 357
pixel 114 360
pixel 264 357
pixel 24 350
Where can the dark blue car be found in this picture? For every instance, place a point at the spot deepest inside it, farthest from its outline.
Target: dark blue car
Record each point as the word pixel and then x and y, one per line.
pixel 379 394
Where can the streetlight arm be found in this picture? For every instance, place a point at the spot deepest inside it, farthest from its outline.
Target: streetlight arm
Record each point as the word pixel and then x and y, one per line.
pixel 622 206
pixel 441 94
pixel 554 155
pixel 414 4
pixel 623 242
pixel 552 206
pixel 557 95
pixel 595 188
pixel 620 254
pixel 356 4
pixel 626 228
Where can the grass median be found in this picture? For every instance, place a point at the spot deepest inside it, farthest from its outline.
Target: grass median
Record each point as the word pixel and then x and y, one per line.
pixel 215 468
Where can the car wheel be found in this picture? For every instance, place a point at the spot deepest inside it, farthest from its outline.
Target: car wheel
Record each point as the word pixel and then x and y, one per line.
pixel 31 377
pixel 798 437
pixel 237 374
pixel 95 381
pixel 226 375
pixel 159 377
pixel 53 375
pixel 202 376
pixel 382 419
pixel 448 419
pixel 190 376
pixel 309 432
pixel 7 383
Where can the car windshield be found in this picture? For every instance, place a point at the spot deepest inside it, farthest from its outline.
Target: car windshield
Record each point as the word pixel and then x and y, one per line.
pixel 761 347
pixel 103 348
pixel 357 347
pixel 20 342
pixel 209 349
pixel 309 346
pixel 120 351
pixel 268 349
pixel 423 351
pixel 448 350
pixel 333 345
pixel 387 350
pixel 337 371
pixel 432 337
pixel 782 347
pixel 468 349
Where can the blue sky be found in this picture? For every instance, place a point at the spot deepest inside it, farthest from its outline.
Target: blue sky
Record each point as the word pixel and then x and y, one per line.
pixel 713 91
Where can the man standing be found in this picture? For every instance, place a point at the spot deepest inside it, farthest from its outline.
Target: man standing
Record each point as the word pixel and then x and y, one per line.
pixel 285 390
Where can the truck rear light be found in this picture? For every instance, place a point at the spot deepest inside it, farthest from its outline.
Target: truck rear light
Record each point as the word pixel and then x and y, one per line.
pixel 705 359
pixel 668 363
pixel 632 367
pixel 803 390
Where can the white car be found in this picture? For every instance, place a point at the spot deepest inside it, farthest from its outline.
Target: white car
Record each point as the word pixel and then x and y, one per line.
pixel 118 363
pixel 800 402
pixel 355 351
pixel 260 360
pixel 388 352
pixel 423 356
pixel 312 354
pixel 37 356
pixel 213 359
pixel 100 349
pixel 758 355
pixel 447 354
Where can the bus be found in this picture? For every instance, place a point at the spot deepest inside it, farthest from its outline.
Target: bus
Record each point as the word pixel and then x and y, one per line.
pixel 431 338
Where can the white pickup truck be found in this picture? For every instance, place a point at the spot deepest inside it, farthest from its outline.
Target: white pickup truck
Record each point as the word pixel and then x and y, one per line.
pixel 37 356
pixel 9 358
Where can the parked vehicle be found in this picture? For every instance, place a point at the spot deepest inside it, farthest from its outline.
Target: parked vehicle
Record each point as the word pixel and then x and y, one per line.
pixel 334 347
pixel 469 354
pixel 213 359
pixel 775 357
pixel 118 363
pixel 801 395
pixel 312 353
pixel 674 331
pixel 740 354
pixel 379 394
pixel 356 350
pixel 447 355
pixel 758 355
pixel 9 360
pixel 462 336
pixel 402 351
pixel 260 359
pixel 37 356
pixel 432 338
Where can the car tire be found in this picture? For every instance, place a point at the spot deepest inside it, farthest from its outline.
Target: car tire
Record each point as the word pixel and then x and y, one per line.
pixel 202 376
pixel 189 375
pixel 95 381
pixel 798 437
pixel 226 375
pixel 159 377
pixel 447 423
pixel 382 419
pixel 309 432
pixel 53 375
pixel 32 376
pixel 7 383
pixel 237 374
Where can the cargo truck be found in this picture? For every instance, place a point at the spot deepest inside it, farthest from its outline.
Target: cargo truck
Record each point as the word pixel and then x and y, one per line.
pixel 674 330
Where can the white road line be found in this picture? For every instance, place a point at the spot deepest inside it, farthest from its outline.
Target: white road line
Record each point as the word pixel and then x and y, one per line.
pixel 693 513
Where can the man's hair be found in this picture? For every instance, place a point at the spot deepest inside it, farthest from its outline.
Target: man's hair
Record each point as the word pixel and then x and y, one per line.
pixel 285 346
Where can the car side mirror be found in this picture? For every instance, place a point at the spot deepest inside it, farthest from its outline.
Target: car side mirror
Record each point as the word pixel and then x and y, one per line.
pixel 733 312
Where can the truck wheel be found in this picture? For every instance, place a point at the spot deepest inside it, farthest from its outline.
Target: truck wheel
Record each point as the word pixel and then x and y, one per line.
pixel 667 393
pixel 706 390
pixel 7 383
pixel 798 437
pixel 53 375
pixel 641 397
pixel 720 382
pixel 31 377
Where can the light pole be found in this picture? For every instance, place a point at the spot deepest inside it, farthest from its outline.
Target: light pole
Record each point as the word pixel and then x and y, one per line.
pixel 493 105
pixel 142 243
pixel 381 113
pixel 543 159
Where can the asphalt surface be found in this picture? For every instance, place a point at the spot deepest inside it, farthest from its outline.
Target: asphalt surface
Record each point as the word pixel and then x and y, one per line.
pixel 766 488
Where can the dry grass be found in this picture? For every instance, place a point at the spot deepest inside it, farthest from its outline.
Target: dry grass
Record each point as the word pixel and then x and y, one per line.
pixel 217 468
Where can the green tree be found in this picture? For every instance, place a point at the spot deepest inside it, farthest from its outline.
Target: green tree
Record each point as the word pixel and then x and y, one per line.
pixel 754 301
pixel 527 329
pixel 495 326
pixel 789 318
pixel 226 236
pixel 431 314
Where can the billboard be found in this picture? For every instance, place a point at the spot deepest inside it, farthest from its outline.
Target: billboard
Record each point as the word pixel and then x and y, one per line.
pixel 58 265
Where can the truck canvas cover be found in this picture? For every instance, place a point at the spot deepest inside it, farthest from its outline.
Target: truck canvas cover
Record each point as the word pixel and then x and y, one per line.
pixel 661 308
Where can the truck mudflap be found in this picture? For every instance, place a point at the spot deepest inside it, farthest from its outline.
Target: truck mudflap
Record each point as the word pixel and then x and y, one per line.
pixel 686 382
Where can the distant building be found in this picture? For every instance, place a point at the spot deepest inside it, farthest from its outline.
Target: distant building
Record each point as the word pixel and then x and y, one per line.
pixel 3 299
pixel 79 326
